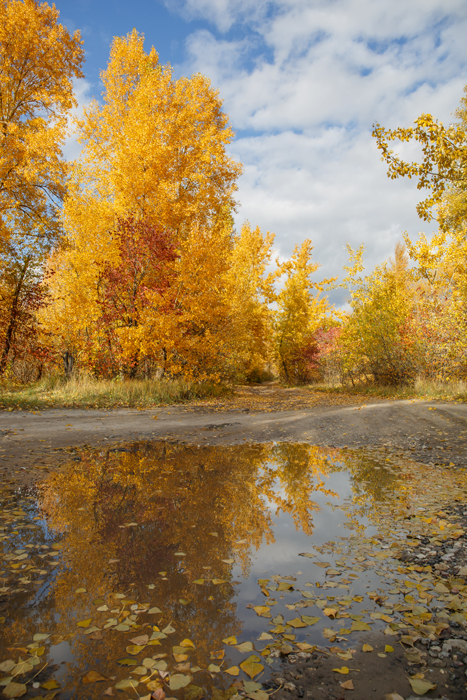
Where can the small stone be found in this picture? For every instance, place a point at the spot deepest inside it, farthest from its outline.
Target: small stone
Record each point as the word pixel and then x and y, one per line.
pixel 457 644
pixel 290 687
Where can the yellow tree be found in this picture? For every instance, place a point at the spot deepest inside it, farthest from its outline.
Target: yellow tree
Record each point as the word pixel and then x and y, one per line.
pixel 301 311
pixel 38 60
pixel 154 151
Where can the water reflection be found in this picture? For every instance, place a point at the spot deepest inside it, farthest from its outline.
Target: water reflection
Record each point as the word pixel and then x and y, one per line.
pixel 158 524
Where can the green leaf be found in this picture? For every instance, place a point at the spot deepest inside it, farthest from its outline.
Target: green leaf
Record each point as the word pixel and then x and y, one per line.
pixel 15 690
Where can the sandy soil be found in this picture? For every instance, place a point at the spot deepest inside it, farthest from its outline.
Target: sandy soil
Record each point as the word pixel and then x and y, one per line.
pixel 32 443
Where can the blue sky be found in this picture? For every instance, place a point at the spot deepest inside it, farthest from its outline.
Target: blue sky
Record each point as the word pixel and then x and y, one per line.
pixel 303 81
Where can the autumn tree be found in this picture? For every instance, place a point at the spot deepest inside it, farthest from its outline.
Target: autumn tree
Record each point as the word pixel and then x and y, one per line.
pixel 300 312
pixel 38 61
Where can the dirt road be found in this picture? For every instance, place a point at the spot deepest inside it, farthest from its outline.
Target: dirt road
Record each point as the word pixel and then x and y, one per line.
pixel 430 432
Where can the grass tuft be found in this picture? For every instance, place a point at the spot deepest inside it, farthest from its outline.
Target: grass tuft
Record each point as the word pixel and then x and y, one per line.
pixel 421 389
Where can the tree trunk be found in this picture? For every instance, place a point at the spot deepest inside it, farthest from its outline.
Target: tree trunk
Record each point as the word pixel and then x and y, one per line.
pixel 13 320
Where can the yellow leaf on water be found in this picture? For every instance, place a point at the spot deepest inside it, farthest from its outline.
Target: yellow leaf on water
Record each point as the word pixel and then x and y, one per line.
pixel 15 690
pixel 251 666
pixel 93 677
pixel 84 623
pixel 296 622
pixel 212 668
pixel 187 643
pixel 232 671
pixel 135 649
pixel 50 685
pixel 322 564
pixel 262 610
pixel 218 581
pixel 367 647
pixel 231 641
pixel 388 648
pixel 244 647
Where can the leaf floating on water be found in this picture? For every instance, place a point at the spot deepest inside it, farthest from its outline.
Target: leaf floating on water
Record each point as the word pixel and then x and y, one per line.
pixel 84 623
pixel 244 647
pixel 232 671
pixel 388 648
pixel 21 668
pixel 217 654
pixel 7 666
pixel 183 601
pixel 232 641
pixel 135 649
pixel 15 690
pixel 263 637
pixel 168 630
pixel 228 561
pixel 141 640
pixel 191 692
pixel 251 666
pixel 103 608
pixel 306 554
pixel 40 637
pixel 188 644
pixel 199 581
pixel 322 564
pixel 93 677
pixel 81 590
pixel 304 646
pixel 179 680
pixel 218 581
pixel 310 620
pixel 421 686
pixel 50 685
pixel 127 662
pixel 154 611
pixel 262 610
pixel 367 647
pixel 179 554
pixel 212 668
pixel 251 686
pixel 126 683
pixel 122 627
pixel 284 586
pixel 360 627
pixel 296 622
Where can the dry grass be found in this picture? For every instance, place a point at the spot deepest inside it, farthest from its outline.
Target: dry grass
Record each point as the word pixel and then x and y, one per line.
pixel 86 392
pixel 421 389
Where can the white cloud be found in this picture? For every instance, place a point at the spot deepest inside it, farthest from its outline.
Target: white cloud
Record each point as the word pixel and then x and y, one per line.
pixel 303 81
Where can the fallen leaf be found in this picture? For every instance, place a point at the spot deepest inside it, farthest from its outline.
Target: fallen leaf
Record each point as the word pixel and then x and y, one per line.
pixel 420 686
pixel 84 623
pixel 251 666
pixel 212 668
pixel 7 666
pixel 127 662
pixel 15 690
pixel 344 670
pixel 310 620
pixel 179 680
pixel 262 610
pixel 50 685
pixel 232 641
pixel 188 644
pixel 218 581
pixel 135 649
pixel 347 685
pixel 191 692
pixel 264 637
pixel 93 677
pixel 244 647
pixel 232 671
pixel 393 696
pixel 367 647
pixel 388 648
pixel 228 561
pixel 154 611
pixel 142 640
pixel 126 683
pixel 296 622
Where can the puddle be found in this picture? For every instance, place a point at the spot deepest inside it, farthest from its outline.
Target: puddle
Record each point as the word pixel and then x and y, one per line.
pixel 197 568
